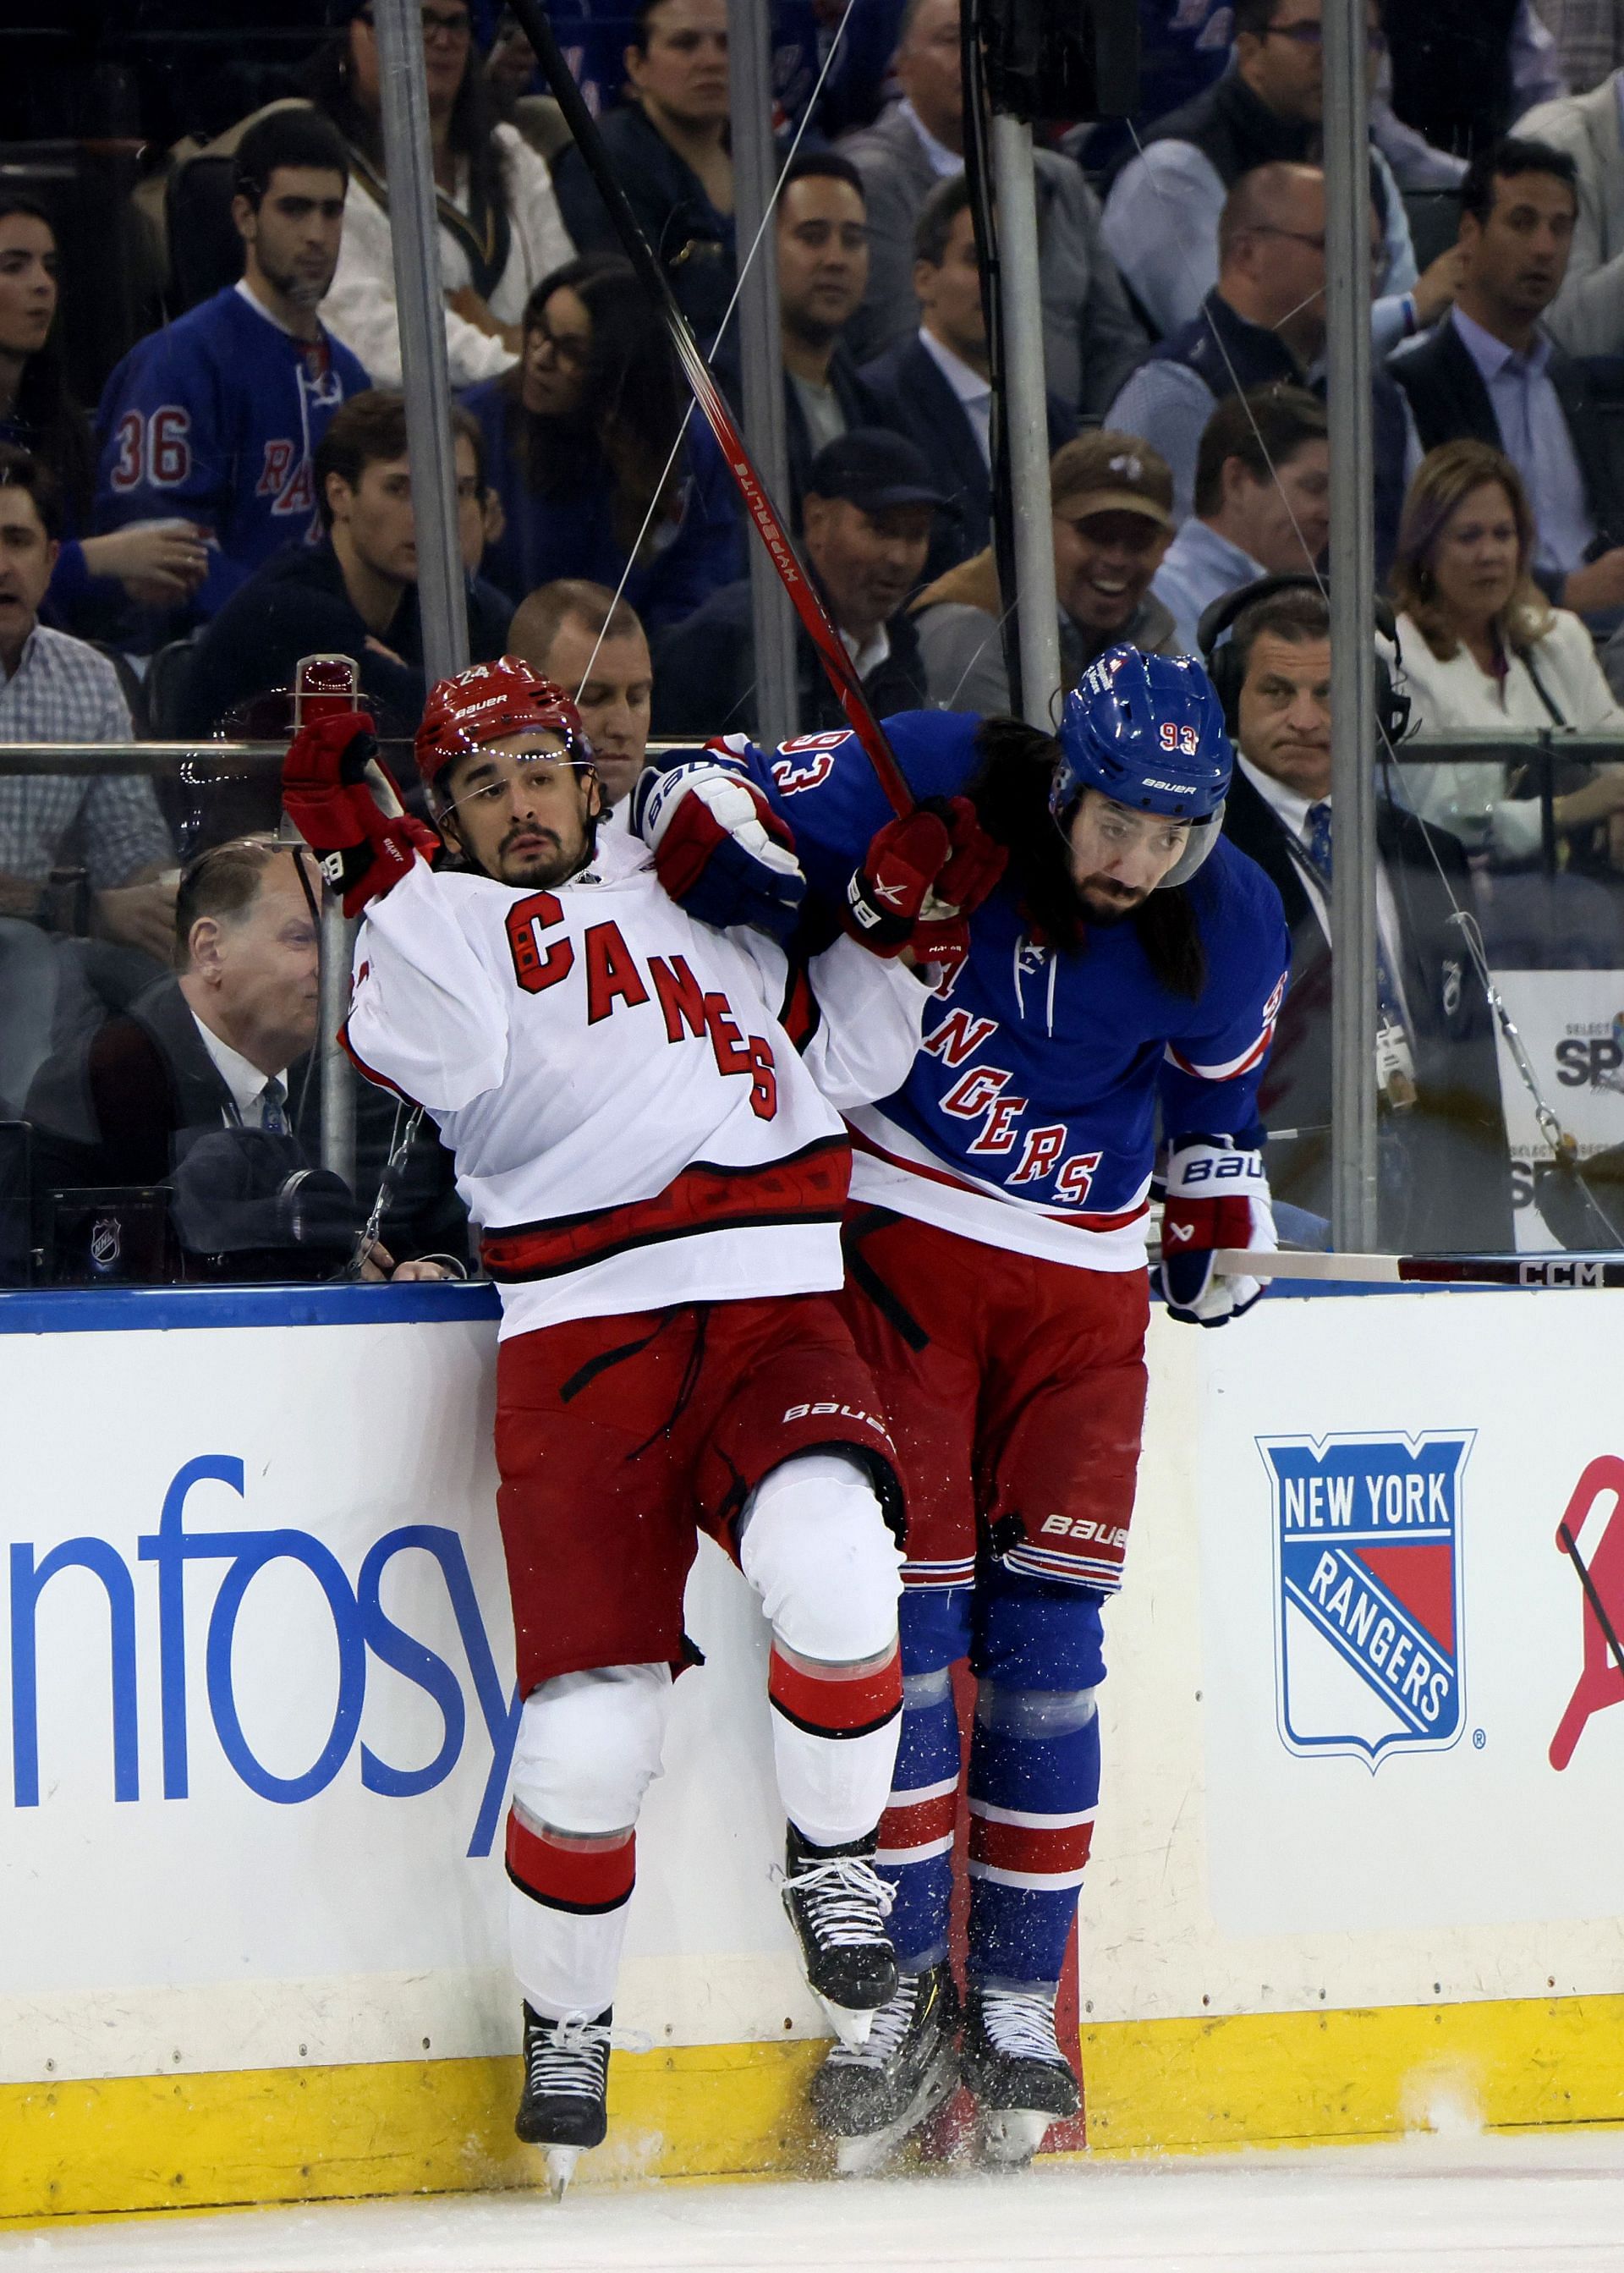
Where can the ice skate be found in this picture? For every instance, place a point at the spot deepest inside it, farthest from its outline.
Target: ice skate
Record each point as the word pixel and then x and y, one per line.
pixel 872 2096
pixel 838 1904
pixel 562 2106
pixel 1020 2079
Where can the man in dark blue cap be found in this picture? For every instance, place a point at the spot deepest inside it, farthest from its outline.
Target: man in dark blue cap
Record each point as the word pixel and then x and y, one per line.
pixel 869 511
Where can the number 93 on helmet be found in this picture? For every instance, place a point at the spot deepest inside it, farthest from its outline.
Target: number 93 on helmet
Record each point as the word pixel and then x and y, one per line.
pixel 1148 731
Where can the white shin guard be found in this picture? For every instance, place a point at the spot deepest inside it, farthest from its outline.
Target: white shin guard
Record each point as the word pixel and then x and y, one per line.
pixel 814 1544
pixel 589 1747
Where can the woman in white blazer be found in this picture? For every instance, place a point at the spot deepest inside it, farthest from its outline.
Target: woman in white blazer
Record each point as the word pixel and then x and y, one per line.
pixel 1485 651
pixel 500 229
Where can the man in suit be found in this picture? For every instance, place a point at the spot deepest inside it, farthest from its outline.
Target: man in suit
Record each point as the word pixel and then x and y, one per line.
pixel 1587 315
pixel 937 388
pixel 217 1053
pixel 1091 337
pixel 1262 325
pixel 869 508
pixel 1490 371
pixel 1445 1173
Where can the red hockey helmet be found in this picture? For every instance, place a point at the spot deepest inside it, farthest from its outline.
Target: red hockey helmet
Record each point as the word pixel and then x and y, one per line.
pixel 488 701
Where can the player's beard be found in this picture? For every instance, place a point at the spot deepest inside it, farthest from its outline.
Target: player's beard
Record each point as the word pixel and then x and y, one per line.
pixel 1101 905
pixel 551 861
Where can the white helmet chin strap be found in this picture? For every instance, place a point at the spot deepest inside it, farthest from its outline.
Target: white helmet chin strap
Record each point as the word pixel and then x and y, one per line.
pixel 1203 836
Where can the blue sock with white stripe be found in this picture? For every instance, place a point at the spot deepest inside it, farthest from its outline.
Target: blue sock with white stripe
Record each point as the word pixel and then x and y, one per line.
pixel 915 1831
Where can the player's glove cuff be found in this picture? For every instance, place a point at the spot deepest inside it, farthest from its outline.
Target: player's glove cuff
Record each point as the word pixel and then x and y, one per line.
pixel 720 850
pixel 1216 1195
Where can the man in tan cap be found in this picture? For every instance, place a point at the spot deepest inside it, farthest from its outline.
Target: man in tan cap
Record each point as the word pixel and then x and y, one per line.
pixel 1112 496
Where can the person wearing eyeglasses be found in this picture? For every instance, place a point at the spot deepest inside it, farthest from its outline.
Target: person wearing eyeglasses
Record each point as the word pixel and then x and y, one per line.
pixel 501 229
pixel 1162 215
pixel 1262 324
pixel 578 439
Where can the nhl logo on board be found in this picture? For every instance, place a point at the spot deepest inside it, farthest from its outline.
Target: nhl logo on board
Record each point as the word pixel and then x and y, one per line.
pixel 106 1243
pixel 1368 1591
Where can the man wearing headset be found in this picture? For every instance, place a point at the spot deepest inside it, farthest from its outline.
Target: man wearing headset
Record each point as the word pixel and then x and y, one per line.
pixel 1445 1170
pixel 1121 959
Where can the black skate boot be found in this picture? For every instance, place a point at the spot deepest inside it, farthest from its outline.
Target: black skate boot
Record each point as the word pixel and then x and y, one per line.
pixel 1020 2079
pixel 565 2086
pixel 872 2096
pixel 838 1904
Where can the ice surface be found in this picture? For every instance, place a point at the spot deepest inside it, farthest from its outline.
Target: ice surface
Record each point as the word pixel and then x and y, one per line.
pixel 1549 2204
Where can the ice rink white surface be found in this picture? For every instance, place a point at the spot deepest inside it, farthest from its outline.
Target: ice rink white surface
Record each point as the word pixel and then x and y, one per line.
pixel 1525 2205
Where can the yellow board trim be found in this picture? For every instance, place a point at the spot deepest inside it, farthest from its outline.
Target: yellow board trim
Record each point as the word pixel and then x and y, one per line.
pixel 78 2149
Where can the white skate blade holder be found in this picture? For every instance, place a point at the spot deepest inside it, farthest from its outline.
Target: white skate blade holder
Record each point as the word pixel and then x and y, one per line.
pixel 851 2023
pixel 1010 2136
pixel 561 2163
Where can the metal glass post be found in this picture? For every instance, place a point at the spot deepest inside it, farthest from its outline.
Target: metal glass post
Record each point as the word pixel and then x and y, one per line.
pixel 1353 577
pixel 755 172
pixel 420 301
pixel 1026 412
pixel 338 1075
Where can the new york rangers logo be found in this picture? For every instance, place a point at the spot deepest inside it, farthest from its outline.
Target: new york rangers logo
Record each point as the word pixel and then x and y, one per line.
pixel 1367 1592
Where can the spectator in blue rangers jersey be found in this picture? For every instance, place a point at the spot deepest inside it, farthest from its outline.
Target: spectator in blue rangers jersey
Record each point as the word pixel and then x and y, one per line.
pixel 214 419
pixel 1128 961
pixel 58 689
pixel 577 439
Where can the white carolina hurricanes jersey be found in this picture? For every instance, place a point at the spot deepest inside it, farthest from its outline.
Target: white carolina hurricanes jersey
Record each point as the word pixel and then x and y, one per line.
pixel 633 1126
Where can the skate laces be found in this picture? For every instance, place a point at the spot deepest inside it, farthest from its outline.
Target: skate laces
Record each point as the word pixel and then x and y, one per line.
pixel 1019 2023
pixel 890 2024
pixel 571 2055
pixel 847 1900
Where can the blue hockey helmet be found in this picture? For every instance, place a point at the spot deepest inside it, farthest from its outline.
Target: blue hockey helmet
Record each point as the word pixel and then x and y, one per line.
pixel 1147 731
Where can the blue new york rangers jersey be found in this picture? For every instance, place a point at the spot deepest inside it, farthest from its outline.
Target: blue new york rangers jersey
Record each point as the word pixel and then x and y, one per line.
pixel 215 419
pixel 1029 1118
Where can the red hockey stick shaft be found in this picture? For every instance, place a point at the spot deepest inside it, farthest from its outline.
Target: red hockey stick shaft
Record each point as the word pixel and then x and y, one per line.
pixel 764 515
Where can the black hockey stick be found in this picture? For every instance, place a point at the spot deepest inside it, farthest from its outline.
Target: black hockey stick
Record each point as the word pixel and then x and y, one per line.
pixel 763 515
pixel 1564 1273
pixel 1569 1545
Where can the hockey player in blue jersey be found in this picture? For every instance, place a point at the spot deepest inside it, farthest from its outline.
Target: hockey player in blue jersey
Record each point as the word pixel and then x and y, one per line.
pixel 1125 971
pixel 215 418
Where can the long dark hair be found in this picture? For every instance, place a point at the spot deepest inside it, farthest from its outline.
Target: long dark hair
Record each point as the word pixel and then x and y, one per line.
pixel 1010 793
pixel 632 397
pixel 469 132
pixel 49 422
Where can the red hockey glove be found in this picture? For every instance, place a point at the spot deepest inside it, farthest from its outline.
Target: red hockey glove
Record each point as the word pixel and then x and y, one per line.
pixel 362 849
pixel 978 861
pixel 901 868
pixel 1217 1195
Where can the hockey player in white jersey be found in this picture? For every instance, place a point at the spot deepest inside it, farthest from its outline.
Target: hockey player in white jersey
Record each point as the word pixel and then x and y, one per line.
pixel 645 1112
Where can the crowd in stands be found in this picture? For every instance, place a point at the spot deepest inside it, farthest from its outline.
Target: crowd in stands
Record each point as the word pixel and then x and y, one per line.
pixel 231 490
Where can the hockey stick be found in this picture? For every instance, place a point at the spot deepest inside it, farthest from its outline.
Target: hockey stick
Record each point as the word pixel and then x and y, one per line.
pixel 1553 1272
pixel 1569 1545
pixel 763 515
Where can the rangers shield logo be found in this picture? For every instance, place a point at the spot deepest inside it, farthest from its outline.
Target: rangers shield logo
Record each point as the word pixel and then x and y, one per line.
pixel 1367 1592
